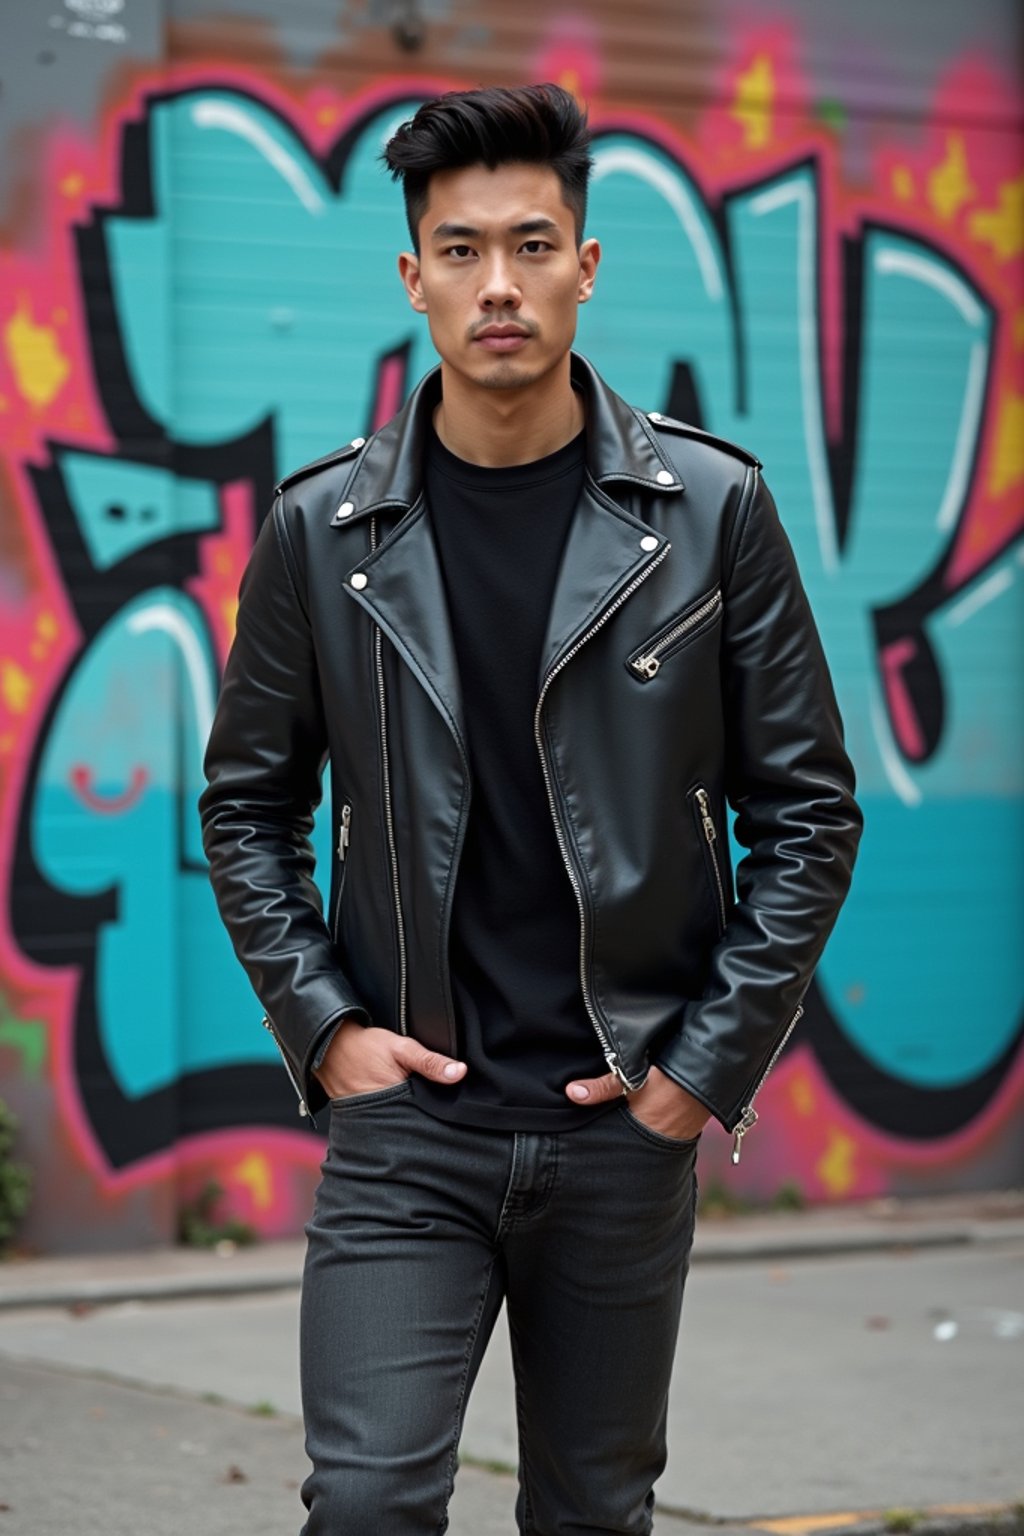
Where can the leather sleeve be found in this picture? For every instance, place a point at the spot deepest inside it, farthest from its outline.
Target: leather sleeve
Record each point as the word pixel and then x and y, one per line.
pixel 263 765
pixel 791 783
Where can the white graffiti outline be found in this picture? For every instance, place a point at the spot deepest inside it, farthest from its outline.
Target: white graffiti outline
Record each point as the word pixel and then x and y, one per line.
pixel 903 264
pixel 220 114
pixel 909 792
pixel 633 161
pixel 164 617
pixel 807 322
pixel 983 593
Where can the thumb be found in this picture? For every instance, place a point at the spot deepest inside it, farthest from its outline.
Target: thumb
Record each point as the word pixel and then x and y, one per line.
pixel 440 1069
pixel 595 1090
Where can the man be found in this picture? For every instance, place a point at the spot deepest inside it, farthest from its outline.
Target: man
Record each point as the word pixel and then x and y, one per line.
pixel 542 638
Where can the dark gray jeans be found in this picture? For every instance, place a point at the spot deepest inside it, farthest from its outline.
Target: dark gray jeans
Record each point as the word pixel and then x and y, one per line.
pixel 419 1230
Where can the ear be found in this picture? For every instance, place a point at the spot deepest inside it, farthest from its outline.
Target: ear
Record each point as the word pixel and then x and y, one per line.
pixel 409 272
pixel 589 255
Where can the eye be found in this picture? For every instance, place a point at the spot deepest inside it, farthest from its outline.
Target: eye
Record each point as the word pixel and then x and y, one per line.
pixel 536 247
pixel 460 252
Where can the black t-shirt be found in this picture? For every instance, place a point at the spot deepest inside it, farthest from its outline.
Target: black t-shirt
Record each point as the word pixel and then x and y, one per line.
pixel 515 938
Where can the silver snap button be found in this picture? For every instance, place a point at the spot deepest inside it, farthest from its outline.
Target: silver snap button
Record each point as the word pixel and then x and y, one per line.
pixel 655 416
pixel 359 580
pixel 357 442
pixel 648 541
pixel 346 509
pixel 664 478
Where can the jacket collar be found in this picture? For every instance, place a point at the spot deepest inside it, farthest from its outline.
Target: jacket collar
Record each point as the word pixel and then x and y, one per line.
pixel 620 446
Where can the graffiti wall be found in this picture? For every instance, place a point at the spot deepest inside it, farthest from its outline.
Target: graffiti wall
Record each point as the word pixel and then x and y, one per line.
pixel 812 219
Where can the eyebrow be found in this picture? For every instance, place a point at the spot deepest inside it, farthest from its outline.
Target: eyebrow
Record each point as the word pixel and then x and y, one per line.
pixel 537 226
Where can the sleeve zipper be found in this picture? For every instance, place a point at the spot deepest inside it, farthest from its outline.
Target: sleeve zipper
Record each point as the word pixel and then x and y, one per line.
pixel 303 1107
pixel 749 1116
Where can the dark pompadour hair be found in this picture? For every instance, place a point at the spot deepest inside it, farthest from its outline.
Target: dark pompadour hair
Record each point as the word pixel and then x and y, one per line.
pixel 538 124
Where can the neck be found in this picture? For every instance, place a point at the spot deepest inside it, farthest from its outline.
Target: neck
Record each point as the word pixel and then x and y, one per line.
pixel 496 428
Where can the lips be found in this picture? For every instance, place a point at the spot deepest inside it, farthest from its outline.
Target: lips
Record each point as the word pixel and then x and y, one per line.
pixel 502 338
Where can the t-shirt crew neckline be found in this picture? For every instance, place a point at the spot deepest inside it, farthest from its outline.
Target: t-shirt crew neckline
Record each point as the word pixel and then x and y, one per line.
pixel 513 477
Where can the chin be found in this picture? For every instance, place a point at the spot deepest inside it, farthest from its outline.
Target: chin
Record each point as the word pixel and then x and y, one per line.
pixel 510 373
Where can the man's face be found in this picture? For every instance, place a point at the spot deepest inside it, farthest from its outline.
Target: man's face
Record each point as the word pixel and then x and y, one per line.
pixel 499 275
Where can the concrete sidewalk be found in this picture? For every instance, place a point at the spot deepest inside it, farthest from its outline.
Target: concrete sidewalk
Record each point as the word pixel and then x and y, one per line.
pixel 871 1226
pixel 832 1366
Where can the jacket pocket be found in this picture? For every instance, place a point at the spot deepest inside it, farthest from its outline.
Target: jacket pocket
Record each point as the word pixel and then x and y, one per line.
pixel 645 662
pixel 341 848
pixel 701 802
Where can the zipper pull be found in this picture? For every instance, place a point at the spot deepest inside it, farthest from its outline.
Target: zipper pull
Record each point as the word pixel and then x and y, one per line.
pixel 343 831
pixel 749 1119
pixel 615 1067
pixel 709 826
pixel 647 666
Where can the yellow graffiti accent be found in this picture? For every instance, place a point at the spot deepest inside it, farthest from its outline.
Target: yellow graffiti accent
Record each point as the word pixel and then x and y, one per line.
pixel 949 185
pixel 1002 227
pixel 755 97
pixel 801 1095
pixel 36 360
pixel 835 1167
pixel 15 686
pixel 903 183
pixel 835 1520
pixel 71 184
pixel 257 1175
pixel 569 80
pixel 229 608
pixel 46 625
pixel 1008 454
pixel 803 1525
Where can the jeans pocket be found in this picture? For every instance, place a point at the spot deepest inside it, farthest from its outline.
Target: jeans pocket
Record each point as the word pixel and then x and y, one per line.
pixel 374 1096
pixel 658 1138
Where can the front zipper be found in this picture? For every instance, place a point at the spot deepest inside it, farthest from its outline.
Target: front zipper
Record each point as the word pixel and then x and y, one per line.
pixel 606 1045
pixel 389 820
pixel 303 1107
pixel 749 1116
pixel 344 838
pixel 711 838
pixel 650 659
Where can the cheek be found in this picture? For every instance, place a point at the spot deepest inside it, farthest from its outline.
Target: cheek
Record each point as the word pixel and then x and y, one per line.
pixel 561 301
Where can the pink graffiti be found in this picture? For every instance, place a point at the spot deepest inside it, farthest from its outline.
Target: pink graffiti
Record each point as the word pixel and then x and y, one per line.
pixel 901 707
pixel 103 804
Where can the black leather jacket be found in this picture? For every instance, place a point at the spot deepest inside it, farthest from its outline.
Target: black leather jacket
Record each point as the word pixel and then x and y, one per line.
pixel 682 670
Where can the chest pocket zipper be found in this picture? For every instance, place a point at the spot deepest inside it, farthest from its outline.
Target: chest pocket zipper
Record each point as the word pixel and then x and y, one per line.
pixel 645 662
pixel 344 837
pixel 702 807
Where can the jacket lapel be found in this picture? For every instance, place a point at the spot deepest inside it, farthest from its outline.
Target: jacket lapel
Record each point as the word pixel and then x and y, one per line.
pixel 404 590
pixel 405 595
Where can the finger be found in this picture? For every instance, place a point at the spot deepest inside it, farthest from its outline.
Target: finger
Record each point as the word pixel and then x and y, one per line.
pixel 440 1069
pixel 595 1090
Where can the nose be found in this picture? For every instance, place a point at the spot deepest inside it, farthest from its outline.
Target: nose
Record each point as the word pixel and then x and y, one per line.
pixel 498 287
